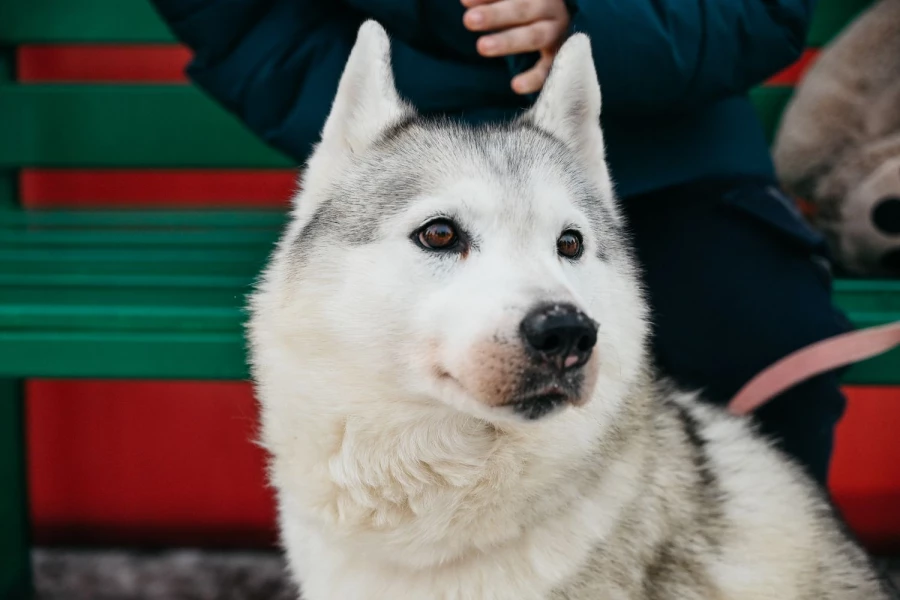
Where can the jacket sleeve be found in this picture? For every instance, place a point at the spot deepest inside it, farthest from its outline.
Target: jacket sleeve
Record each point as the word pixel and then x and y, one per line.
pixel 657 56
pixel 275 64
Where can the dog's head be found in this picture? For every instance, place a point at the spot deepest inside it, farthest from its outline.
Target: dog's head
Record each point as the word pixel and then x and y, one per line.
pixel 481 268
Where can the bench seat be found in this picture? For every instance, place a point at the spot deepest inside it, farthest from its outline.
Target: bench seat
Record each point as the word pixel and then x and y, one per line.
pixel 128 294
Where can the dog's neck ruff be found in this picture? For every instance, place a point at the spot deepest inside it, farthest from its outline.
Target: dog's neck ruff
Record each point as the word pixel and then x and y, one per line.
pixel 421 488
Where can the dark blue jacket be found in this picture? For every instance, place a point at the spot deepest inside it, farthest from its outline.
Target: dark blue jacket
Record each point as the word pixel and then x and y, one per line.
pixel 674 73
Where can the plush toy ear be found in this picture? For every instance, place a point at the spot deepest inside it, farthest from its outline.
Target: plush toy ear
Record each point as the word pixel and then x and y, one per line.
pixel 568 107
pixel 366 102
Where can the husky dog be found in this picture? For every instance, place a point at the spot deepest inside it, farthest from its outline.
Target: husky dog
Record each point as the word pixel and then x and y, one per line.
pixel 450 350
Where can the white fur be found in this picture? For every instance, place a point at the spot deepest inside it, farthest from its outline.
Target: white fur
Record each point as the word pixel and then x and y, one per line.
pixel 397 482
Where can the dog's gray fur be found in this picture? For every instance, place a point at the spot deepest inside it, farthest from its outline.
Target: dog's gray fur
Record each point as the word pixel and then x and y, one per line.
pixel 387 376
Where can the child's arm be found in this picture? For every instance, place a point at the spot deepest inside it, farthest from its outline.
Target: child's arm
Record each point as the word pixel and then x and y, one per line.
pixel 662 55
pixel 652 56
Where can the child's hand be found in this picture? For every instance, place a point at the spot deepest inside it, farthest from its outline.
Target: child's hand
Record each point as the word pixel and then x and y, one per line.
pixel 521 26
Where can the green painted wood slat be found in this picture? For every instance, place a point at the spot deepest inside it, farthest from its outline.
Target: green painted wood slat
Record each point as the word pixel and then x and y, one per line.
pixel 114 292
pixel 123 126
pixel 131 220
pixel 159 262
pixel 36 317
pixel 80 21
pixel 62 239
pixel 114 355
pixel 128 280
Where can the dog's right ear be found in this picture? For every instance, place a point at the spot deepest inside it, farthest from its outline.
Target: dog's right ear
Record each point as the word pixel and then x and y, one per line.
pixel 568 108
pixel 367 102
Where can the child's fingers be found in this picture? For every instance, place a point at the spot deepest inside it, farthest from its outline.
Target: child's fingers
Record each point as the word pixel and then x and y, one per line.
pixel 529 38
pixel 533 79
pixel 507 13
pixel 471 3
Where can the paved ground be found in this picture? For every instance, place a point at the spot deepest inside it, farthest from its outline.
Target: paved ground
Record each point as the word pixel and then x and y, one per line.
pixel 171 575
pixel 175 575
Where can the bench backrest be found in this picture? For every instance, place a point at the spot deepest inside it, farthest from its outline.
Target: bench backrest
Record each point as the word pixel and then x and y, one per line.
pixel 161 122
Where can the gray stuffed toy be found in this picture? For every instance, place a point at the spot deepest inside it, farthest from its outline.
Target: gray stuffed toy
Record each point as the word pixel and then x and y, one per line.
pixel 838 145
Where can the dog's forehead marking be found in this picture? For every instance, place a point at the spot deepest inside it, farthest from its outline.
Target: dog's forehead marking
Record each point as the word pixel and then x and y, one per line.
pixel 416 156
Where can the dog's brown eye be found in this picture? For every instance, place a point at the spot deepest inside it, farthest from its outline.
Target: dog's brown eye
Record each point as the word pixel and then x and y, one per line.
pixel 569 244
pixel 439 235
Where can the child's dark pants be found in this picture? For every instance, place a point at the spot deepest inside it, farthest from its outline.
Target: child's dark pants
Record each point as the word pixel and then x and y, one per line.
pixel 736 281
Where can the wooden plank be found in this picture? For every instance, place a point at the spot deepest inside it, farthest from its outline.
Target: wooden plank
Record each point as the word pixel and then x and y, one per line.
pixel 60 239
pixel 881 370
pixel 128 280
pixel 171 189
pixel 100 318
pixel 23 21
pixel 115 292
pixel 144 220
pixel 112 355
pixel 106 63
pixel 880 296
pixel 123 126
pixel 184 261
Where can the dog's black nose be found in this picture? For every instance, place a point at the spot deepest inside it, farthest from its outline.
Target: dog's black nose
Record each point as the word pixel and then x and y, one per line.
pixel 560 334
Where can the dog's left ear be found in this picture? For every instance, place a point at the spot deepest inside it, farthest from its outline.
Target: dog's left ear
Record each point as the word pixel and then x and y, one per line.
pixel 568 107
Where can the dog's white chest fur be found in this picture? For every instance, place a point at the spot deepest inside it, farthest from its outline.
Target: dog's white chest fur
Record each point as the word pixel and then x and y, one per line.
pixel 444 507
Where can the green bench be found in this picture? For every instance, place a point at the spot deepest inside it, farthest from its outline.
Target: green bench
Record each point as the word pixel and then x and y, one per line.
pixel 159 294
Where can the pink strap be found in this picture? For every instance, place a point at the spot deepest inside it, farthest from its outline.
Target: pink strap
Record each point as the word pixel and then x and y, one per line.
pixel 838 351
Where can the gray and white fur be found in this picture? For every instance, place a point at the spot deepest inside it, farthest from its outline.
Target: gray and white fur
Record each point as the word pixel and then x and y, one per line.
pixel 479 419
